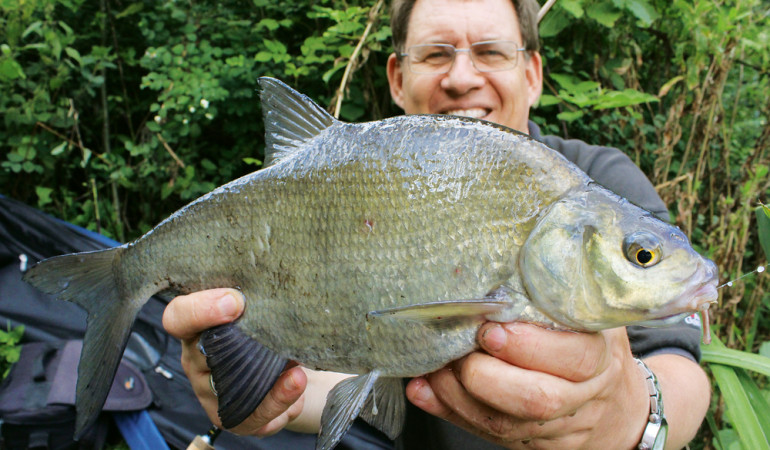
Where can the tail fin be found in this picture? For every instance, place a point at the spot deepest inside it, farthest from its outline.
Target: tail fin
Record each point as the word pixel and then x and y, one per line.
pixel 92 280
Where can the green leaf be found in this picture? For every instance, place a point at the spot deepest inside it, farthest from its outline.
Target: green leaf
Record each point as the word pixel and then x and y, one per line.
pixel 573 7
pixel 758 401
pixel 10 70
pixel 270 24
pixel 43 195
pixel 275 47
pixel 626 97
pixel 15 157
pixel 548 100
pixel 643 11
pixel 59 149
pixel 263 56
pixel 764 349
pixel 130 10
pixel 34 27
pixel 717 353
pixel 569 116
pixel 763 229
pixel 252 162
pixel 605 13
pixel 74 54
pixel 553 23
pixel 742 415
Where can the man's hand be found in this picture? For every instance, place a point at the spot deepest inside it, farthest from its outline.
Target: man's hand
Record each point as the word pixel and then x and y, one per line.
pixel 538 388
pixel 189 315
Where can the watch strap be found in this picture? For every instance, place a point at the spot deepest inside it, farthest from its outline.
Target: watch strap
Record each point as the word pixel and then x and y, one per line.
pixel 657 419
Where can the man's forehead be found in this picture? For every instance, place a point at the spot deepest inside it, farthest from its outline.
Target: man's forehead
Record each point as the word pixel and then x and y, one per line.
pixel 450 21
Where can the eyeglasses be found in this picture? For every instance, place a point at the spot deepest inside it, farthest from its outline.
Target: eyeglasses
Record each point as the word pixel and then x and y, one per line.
pixel 487 56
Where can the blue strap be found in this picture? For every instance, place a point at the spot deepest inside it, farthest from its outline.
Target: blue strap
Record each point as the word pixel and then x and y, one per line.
pixel 139 430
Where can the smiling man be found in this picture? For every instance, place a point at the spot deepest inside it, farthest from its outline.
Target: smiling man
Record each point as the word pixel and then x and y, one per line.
pixel 501 93
pixel 529 387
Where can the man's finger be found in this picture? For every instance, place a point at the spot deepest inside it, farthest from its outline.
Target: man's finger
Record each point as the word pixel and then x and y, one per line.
pixel 566 354
pixel 420 392
pixel 526 394
pixel 189 315
pixel 286 392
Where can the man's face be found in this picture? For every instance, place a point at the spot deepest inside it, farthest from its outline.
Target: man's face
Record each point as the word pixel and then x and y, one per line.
pixel 503 97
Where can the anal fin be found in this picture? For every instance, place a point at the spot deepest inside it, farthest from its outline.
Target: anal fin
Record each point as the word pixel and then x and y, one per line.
pixel 385 407
pixel 242 369
pixel 343 404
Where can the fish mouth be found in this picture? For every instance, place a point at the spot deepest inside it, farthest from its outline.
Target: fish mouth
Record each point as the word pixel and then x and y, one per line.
pixel 474 113
pixel 694 300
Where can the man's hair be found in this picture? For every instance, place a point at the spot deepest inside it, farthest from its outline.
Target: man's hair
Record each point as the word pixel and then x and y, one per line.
pixel 526 10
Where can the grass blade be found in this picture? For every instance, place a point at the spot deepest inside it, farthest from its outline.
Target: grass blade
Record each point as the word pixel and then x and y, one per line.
pixel 758 401
pixel 742 415
pixel 714 354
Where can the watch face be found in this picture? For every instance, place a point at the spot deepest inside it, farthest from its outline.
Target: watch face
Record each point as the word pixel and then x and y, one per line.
pixel 660 439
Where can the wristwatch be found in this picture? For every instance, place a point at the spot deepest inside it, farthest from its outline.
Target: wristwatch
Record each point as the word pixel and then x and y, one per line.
pixel 656 431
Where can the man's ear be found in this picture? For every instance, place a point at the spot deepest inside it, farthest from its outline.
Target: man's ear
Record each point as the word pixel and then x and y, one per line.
pixel 534 73
pixel 396 80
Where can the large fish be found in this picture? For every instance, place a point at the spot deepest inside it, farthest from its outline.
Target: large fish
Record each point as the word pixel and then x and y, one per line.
pixel 379 249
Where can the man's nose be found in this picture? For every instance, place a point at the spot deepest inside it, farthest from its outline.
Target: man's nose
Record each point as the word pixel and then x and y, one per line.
pixel 463 75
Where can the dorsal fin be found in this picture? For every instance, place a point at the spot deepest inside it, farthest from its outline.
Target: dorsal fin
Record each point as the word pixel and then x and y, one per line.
pixel 291 119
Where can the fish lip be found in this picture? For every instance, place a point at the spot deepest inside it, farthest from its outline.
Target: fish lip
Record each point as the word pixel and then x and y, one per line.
pixel 692 300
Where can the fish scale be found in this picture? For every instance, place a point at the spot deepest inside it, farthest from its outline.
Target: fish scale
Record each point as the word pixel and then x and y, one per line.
pixel 379 249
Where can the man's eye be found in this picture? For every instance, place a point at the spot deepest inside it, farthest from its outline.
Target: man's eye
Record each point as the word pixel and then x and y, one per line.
pixel 489 52
pixel 436 56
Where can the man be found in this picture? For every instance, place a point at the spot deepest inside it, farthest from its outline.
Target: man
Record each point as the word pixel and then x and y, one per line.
pixel 530 387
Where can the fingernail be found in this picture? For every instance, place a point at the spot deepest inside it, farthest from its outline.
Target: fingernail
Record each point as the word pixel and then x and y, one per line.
pixel 228 305
pixel 289 384
pixel 493 338
pixel 424 393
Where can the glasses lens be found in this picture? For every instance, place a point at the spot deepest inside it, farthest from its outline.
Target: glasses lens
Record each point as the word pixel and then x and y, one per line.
pixel 430 58
pixel 494 55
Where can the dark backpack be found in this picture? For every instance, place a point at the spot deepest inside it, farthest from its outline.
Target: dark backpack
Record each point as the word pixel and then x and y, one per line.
pixel 38 396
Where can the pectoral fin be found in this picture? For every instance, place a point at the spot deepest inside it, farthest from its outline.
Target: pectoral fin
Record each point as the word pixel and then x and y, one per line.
pixel 435 313
pixel 385 407
pixel 343 404
pixel 243 371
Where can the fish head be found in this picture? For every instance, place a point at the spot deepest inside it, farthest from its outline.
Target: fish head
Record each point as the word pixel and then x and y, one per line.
pixel 595 261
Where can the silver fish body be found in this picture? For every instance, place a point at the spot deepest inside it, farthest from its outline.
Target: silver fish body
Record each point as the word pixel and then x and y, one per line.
pixel 380 248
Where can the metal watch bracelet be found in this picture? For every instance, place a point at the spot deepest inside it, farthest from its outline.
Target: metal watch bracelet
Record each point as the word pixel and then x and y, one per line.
pixel 656 431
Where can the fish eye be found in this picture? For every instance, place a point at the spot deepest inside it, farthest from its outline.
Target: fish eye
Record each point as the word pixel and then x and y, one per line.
pixel 642 249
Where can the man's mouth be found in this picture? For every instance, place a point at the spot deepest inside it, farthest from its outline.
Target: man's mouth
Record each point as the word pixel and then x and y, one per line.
pixel 475 113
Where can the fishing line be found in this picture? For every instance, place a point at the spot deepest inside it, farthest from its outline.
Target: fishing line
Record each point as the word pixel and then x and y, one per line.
pixel 704 309
pixel 759 269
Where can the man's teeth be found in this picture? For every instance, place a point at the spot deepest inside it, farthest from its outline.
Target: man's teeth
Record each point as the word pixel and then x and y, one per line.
pixel 474 113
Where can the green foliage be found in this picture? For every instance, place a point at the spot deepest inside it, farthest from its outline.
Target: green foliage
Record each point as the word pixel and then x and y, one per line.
pixel 116 114
pixel 147 107
pixel 746 403
pixel 10 350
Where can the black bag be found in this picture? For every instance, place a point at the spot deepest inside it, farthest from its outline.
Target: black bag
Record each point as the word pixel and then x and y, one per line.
pixel 37 399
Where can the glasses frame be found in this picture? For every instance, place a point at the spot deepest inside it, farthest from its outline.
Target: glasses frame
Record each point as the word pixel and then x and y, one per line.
pixel 461 50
